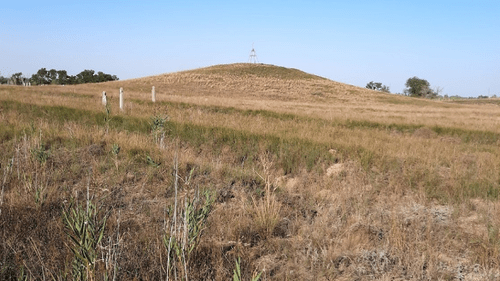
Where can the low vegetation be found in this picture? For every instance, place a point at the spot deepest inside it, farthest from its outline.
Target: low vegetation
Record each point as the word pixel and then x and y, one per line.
pixel 249 172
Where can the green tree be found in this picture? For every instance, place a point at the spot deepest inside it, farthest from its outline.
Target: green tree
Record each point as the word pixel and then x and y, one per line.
pixel 41 77
pixel 416 87
pixel 17 78
pixel 71 80
pixel 44 76
pixel 3 80
pixel 377 86
pixel 62 77
pixel 35 80
pixel 86 76
pixel 52 76
pixel 102 77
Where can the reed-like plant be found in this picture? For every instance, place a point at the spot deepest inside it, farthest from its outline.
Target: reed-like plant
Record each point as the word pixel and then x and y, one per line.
pixel 115 149
pixel 185 228
pixel 237 272
pixel 107 117
pixel 85 228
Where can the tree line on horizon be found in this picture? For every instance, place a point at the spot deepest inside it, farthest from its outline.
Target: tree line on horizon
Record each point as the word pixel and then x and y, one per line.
pixel 419 88
pixel 415 87
pixel 58 77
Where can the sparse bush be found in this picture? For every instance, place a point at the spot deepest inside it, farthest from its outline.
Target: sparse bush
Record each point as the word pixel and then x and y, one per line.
pixel 266 210
pixel 40 154
pixel 158 129
pixel 115 149
pixel 377 86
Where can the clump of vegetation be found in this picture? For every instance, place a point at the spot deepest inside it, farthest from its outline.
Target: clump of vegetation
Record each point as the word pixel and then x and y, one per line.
pixel 416 87
pixel 40 153
pixel 377 86
pixel 158 129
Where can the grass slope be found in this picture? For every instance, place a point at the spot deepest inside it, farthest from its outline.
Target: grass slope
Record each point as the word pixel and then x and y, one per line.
pixel 296 176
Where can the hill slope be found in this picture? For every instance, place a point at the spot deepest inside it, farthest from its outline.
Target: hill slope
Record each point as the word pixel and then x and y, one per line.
pixel 301 177
pixel 246 81
pixel 258 86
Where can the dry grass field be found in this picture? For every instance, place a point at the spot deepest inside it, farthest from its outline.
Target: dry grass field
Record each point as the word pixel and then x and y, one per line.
pixel 254 167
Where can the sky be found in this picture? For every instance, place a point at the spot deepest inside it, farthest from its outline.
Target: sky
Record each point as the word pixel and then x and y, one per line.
pixel 454 45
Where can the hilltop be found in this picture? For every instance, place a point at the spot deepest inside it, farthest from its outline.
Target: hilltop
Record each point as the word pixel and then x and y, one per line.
pixel 250 81
pixel 265 168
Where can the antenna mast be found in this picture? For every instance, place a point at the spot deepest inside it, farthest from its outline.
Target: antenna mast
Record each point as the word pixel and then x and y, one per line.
pixel 253 56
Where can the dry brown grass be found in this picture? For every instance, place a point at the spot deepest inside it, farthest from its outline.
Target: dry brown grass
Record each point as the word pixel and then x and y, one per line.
pixel 400 189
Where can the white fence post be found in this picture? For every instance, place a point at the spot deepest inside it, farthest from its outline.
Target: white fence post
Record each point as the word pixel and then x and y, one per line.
pixel 121 99
pixel 104 98
pixel 153 94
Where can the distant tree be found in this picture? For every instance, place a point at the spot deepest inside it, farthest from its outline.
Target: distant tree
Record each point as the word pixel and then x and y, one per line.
pixel 86 76
pixel 35 79
pixel 52 76
pixel 89 76
pixel 62 77
pixel 17 78
pixel 41 77
pixel 416 87
pixel 4 80
pixel 44 76
pixel 377 86
pixel 71 80
pixel 102 77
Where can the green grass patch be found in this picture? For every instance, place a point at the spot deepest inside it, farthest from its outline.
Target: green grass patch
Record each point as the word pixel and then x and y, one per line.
pixel 468 136
pixel 394 99
pixel 8 132
pixel 291 154
pixel 403 128
pixel 232 110
pixel 68 94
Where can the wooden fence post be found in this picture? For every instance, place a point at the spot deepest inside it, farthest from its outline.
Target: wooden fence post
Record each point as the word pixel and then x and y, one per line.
pixel 153 94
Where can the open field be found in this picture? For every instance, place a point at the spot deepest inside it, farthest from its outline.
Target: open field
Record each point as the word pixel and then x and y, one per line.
pixel 300 177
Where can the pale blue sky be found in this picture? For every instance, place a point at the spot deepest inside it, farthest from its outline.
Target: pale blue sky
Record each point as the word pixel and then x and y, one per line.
pixel 453 44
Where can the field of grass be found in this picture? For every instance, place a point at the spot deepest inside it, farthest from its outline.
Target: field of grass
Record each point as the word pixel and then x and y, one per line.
pixel 267 169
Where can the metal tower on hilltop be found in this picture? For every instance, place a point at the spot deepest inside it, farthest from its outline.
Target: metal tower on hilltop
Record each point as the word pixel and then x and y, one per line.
pixel 253 56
